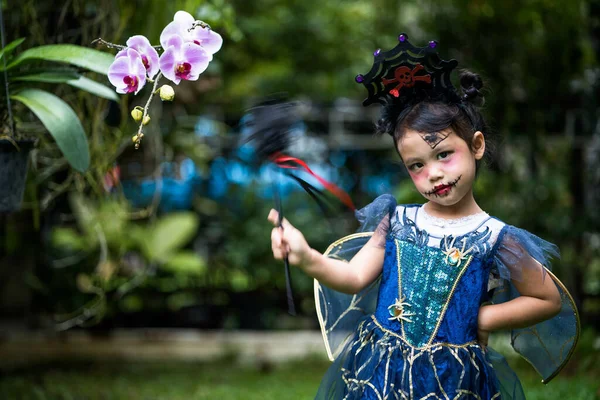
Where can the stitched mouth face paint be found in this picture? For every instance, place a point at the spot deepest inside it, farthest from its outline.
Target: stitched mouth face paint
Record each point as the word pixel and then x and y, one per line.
pixel 443 189
pixel 434 138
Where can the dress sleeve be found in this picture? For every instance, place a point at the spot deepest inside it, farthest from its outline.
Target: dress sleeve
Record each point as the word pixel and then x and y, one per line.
pixel 547 345
pixel 518 249
pixel 339 314
pixel 376 217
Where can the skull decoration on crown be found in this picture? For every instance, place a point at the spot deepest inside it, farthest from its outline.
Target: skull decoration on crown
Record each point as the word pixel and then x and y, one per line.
pixel 406 78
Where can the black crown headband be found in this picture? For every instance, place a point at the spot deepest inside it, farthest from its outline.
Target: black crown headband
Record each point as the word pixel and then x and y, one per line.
pixel 407 74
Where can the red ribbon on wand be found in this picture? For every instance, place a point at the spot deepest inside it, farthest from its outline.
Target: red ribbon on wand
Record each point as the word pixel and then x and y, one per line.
pixel 287 162
pixel 283 161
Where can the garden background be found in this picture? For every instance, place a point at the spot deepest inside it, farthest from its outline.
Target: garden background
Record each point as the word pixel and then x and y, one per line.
pixel 152 255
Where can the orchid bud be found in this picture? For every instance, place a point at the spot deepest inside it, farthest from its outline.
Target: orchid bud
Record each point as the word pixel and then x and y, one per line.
pixel 146 120
pixel 137 113
pixel 135 138
pixel 166 93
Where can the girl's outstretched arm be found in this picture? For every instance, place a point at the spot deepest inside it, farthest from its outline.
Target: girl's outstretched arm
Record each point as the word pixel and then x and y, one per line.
pixel 344 277
pixel 539 300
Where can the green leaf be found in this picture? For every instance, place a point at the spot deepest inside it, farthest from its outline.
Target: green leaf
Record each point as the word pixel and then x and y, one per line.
pixel 185 262
pixel 80 56
pixel 86 216
pixel 10 47
pixel 137 235
pixel 62 123
pixel 170 233
pixel 239 280
pixel 49 77
pixel 177 301
pixel 68 238
pixel 132 303
pixel 72 78
pixel 98 89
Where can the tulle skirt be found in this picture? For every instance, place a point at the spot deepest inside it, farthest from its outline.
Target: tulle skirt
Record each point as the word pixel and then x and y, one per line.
pixel 380 364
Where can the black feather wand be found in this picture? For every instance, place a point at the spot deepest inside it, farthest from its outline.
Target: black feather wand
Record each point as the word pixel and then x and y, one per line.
pixel 271 125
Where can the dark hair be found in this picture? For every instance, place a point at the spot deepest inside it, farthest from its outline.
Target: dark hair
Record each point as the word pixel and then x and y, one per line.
pixel 464 117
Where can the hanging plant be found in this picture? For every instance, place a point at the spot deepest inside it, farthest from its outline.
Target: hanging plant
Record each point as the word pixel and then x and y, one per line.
pixel 20 78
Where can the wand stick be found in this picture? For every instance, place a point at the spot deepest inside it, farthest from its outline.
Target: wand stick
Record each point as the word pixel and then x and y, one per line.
pixel 288 279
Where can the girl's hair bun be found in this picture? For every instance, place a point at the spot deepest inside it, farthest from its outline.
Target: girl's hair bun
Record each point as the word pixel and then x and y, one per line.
pixel 470 84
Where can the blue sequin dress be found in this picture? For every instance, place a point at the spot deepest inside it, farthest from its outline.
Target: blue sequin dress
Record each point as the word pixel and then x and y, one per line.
pixel 413 333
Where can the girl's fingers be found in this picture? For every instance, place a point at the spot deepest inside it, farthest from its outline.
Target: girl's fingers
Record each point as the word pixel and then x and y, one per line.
pixel 276 236
pixel 274 219
pixel 279 245
pixel 279 236
pixel 277 254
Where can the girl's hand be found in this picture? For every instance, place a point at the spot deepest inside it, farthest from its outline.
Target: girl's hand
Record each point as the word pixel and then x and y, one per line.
pixel 482 338
pixel 288 241
pixel 483 334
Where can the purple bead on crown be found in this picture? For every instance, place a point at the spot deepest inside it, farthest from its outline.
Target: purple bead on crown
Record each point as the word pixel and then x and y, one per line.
pixel 359 78
pixel 402 38
pixel 432 44
pixel 377 52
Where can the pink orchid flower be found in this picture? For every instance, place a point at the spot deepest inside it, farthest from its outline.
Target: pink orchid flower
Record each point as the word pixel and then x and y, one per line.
pixel 127 72
pixel 148 53
pixel 183 26
pixel 183 60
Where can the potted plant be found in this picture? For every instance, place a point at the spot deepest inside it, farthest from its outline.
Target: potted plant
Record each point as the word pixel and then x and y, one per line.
pixel 23 78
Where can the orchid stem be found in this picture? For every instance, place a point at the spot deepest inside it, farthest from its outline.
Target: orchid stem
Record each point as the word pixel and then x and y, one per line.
pixel 109 44
pixel 140 135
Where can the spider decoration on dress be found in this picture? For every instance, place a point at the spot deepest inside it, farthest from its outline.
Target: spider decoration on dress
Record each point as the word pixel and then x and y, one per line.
pixel 454 255
pixel 398 312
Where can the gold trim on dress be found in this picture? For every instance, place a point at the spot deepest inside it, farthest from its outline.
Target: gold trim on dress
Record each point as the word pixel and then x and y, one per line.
pixel 409 355
pixel 443 313
pixel 426 347
pixel 399 267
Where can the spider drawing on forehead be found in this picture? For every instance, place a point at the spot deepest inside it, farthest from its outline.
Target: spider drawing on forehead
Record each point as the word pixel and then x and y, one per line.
pixel 433 138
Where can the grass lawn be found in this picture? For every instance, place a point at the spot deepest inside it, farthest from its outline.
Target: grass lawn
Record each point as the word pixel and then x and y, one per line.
pixel 221 381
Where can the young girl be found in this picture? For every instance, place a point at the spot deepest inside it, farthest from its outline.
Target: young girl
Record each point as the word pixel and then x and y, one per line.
pixel 426 284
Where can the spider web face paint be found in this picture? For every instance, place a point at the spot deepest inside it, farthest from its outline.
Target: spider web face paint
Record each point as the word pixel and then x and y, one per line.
pixel 433 139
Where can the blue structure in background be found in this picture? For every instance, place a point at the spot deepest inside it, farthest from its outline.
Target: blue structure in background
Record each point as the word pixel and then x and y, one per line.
pixel 176 187
pixel 181 181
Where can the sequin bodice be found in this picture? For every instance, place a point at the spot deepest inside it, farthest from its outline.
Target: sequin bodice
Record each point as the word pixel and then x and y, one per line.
pixel 419 289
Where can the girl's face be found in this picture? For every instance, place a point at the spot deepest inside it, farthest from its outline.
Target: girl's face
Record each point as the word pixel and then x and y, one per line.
pixel 444 172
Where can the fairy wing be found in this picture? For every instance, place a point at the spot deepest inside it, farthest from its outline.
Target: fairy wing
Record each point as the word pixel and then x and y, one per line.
pixel 548 345
pixel 340 313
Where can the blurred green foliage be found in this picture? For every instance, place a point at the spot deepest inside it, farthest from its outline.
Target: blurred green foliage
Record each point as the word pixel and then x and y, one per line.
pixel 539 61
pixel 108 255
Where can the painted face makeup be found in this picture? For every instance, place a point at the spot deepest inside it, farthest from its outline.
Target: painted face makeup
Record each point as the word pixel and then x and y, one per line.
pixel 441 166
pixel 433 139
pixel 443 189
